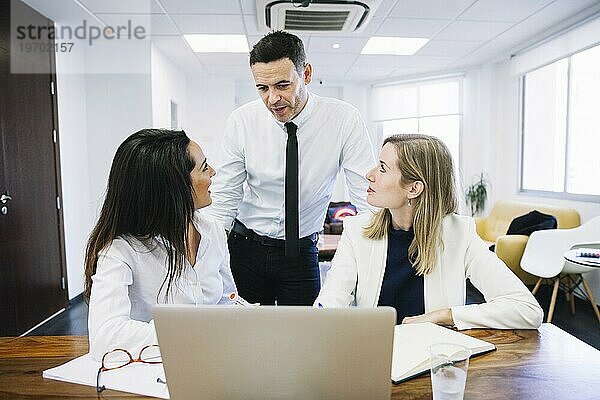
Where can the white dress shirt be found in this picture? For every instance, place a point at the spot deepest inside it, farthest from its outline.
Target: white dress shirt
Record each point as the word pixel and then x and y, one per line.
pixel 358 267
pixel 331 136
pixel 129 276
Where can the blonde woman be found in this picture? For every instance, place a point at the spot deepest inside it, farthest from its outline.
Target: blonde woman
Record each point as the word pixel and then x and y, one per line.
pixel 416 253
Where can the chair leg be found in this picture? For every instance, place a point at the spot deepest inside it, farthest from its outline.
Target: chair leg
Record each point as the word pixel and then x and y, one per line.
pixel 572 287
pixel 591 297
pixel 553 299
pixel 537 286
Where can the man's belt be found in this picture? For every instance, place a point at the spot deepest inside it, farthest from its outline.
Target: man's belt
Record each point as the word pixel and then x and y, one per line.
pixel 241 229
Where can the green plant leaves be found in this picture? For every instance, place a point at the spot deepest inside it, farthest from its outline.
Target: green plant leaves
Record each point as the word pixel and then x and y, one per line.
pixel 476 195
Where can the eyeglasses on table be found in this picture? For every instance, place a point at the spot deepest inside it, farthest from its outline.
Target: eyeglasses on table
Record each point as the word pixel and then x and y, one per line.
pixel 119 358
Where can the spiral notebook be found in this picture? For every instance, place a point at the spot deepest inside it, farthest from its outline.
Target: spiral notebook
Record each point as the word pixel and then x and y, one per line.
pixel 410 357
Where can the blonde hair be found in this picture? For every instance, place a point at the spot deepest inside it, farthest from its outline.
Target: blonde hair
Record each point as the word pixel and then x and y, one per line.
pixel 426 159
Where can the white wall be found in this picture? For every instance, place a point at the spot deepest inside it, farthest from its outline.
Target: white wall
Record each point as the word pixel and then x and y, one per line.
pixel 72 123
pixel 210 100
pixel 117 105
pixel 168 84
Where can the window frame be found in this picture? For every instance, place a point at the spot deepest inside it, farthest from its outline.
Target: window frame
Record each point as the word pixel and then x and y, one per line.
pixel 564 195
pixel 459 79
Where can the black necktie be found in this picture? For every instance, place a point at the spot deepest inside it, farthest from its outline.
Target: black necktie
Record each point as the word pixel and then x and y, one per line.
pixel 291 191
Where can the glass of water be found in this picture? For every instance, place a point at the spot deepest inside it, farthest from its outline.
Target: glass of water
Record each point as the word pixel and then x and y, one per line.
pixel 449 365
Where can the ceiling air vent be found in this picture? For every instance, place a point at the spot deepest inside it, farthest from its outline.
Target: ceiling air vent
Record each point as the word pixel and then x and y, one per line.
pixel 315 15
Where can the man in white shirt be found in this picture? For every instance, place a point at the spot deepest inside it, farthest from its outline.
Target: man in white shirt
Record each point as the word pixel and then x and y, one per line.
pixel 288 154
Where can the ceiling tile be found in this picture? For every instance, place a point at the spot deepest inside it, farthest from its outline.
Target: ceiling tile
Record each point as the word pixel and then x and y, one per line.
pixel 447 48
pixel 234 59
pixel 428 61
pixel 434 9
pixel 224 24
pixel 369 73
pixel 506 10
pixel 201 7
pixel 240 72
pixel 366 60
pixel 154 24
pixel 175 48
pixel 319 60
pixel 347 44
pixel 251 26
pixel 366 31
pixel 403 27
pixel 249 6
pixel 123 6
pixel 384 8
pixel 473 30
pixel 520 34
pixel 405 71
pixel 390 61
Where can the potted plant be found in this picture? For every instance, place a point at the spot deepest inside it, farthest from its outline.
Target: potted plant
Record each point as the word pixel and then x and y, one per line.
pixel 476 194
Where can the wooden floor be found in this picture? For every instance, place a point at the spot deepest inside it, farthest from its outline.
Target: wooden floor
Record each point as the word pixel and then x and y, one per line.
pixel 583 325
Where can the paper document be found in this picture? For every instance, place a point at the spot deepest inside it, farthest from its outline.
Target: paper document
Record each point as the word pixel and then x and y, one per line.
pixel 410 356
pixel 138 378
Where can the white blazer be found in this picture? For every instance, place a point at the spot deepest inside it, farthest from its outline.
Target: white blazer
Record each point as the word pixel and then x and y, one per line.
pixel 358 267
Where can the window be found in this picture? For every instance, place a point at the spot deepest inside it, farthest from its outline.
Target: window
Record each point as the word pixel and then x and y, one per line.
pixel 560 121
pixel 431 108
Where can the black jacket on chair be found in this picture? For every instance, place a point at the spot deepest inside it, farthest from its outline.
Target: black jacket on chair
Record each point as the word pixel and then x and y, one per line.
pixel 529 223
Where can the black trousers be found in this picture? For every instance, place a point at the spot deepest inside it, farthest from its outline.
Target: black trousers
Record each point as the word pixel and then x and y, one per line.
pixel 264 274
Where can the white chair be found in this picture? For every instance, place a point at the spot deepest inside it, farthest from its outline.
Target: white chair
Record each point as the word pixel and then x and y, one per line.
pixel 544 257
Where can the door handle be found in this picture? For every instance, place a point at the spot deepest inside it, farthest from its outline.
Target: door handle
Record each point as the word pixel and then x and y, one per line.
pixel 5 198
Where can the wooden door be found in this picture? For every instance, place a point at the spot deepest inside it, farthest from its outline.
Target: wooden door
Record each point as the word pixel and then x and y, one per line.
pixel 32 273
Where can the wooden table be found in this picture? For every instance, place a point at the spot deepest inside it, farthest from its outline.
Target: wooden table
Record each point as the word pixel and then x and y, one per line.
pixel 544 364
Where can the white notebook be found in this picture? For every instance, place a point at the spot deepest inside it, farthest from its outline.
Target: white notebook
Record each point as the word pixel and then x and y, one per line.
pixel 411 341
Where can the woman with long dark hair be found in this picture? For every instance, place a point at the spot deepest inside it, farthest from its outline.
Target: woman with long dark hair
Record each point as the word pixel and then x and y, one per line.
pixel 416 253
pixel 150 245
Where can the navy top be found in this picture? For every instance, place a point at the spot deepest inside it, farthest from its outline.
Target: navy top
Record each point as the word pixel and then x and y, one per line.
pixel 401 287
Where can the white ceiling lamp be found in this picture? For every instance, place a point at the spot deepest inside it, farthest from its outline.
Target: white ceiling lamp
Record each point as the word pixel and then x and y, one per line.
pixel 398 46
pixel 335 45
pixel 201 43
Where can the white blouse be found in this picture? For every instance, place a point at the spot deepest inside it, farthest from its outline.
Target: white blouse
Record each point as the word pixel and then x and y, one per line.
pixel 128 281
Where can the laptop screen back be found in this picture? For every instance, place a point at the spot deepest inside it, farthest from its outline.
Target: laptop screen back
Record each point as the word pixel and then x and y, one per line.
pixel 217 352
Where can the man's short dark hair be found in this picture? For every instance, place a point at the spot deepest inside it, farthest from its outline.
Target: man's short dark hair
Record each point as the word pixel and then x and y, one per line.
pixel 277 45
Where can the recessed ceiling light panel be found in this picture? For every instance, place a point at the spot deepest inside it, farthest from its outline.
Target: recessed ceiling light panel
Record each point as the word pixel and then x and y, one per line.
pixel 201 43
pixel 398 46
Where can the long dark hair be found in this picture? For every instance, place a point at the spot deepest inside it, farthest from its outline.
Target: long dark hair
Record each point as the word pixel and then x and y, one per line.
pixel 149 195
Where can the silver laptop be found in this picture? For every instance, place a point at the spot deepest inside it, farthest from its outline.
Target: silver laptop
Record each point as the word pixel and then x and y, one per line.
pixel 217 352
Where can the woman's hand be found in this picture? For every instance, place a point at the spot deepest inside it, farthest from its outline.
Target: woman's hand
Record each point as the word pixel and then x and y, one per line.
pixel 440 317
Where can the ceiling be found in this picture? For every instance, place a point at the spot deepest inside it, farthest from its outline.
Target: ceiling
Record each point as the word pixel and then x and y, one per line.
pixel 461 32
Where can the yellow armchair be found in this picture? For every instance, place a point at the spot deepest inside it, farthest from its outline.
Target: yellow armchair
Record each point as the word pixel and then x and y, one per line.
pixel 509 248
